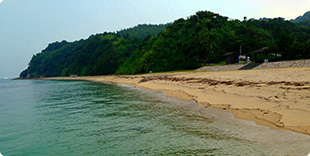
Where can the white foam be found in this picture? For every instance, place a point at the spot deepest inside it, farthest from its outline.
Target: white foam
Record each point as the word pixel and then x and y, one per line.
pixel 124 85
pixel 1 154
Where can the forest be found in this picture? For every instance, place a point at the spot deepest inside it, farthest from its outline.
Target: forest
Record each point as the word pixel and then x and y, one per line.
pixel 185 44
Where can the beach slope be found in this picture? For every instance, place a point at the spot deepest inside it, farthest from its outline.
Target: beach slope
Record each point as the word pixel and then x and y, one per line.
pixel 277 98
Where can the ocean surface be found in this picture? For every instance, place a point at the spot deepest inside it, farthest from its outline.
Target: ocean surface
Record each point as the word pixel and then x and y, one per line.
pixel 46 117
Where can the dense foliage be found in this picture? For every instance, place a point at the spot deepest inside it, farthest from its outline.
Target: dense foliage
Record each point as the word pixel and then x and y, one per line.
pixel 142 30
pixel 206 37
pixel 186 44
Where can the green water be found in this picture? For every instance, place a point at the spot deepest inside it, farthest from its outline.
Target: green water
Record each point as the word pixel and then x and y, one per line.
pixel 88 118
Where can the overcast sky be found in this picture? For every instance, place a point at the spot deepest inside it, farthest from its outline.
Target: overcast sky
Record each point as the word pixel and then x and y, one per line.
pixel 27 26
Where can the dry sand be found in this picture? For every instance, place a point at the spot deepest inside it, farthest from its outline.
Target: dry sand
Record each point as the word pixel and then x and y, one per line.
pixel 277 98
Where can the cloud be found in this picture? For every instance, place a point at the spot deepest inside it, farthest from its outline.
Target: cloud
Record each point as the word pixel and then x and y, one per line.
pixel 1 1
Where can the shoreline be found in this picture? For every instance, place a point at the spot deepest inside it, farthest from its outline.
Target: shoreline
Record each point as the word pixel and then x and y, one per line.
pixel 276 98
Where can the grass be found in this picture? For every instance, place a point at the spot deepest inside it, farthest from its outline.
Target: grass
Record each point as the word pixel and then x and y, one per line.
pixel 223 63
pixel 216 64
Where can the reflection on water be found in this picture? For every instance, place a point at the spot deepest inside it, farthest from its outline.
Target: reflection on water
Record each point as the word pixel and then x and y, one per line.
pixel 86 118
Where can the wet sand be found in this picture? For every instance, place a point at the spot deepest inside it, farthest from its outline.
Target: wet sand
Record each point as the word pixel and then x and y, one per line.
pixel 277 98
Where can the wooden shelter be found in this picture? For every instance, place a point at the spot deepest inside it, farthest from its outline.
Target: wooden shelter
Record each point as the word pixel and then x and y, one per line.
pixel 257 52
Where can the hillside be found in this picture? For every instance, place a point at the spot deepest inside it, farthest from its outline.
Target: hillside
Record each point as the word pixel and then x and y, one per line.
pixel 98 55
pixel 304 23
pixel 186 44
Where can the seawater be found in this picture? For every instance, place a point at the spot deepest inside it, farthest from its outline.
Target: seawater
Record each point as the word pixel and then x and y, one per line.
pixel 45 117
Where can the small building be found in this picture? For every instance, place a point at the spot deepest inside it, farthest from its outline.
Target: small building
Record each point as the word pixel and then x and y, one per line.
pixel 231 58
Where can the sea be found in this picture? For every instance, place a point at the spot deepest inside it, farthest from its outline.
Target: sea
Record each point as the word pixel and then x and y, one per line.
pixel 49 117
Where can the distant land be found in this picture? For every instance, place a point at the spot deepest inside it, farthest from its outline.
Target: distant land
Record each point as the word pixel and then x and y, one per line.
pixel 305 17
pixel 185 44
pixel 303 20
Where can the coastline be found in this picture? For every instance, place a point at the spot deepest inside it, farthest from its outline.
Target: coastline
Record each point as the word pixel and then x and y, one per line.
pixel 277 98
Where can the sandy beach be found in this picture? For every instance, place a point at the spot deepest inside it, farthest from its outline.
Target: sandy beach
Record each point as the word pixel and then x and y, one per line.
pixel 277 98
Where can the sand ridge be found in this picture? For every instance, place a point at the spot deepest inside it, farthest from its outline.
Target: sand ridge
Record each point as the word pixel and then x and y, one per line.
pixel 277 98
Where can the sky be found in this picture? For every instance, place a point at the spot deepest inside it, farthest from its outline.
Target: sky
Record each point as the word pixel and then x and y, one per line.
pixel 28 26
